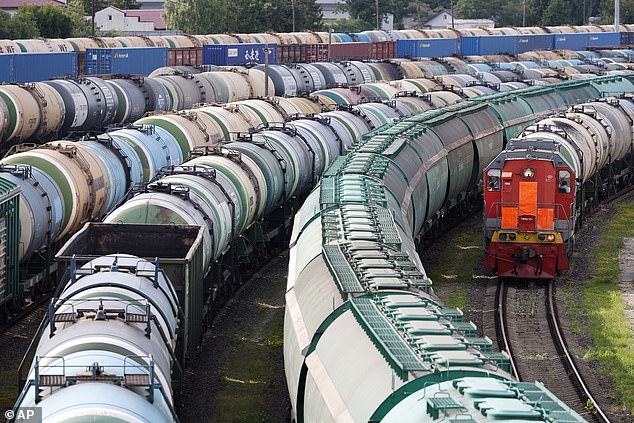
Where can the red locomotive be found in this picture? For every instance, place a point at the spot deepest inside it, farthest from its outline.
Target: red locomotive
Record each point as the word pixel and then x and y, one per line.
pixel 529 210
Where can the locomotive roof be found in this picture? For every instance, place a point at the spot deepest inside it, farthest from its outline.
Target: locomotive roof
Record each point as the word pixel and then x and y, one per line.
pixel 530 149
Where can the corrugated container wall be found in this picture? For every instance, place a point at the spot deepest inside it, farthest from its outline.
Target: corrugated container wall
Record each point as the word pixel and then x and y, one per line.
pixel 125 61
pixel 187 56
pixel 487 45
pixel 237 54
pixel 532 42
pixel 627 38
pixel 428 47
pixel 6 67
pixel 34 67
pixel 571 41
pixel 604 39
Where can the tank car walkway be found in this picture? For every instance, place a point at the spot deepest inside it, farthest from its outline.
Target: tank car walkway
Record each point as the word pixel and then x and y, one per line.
pixel 626 279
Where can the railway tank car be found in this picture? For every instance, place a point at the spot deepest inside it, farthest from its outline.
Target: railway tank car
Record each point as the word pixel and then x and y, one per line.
pixel 538 188
pixel 354 275
pixel 108 352
pixel 232 189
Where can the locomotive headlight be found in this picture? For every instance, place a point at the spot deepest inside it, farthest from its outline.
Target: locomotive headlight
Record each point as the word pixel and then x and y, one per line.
pixel 512 237
pixel 546 237
pixel 541 237
pixel 502 237
pixel 528 173
pixel 550 237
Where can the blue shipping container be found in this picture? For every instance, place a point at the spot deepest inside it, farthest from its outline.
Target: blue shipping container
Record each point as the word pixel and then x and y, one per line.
pixel 427 47
pixel 237 54
pixel 534 42
pixel 604 39
pixel 6 67
pixel 34 67
pixel 487 45
pixel 571 41
pixel 125 61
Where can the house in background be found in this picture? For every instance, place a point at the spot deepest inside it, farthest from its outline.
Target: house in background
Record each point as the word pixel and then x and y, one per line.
pixel 130 21
pixel 443 21
pixel 11 6
pixel 329 9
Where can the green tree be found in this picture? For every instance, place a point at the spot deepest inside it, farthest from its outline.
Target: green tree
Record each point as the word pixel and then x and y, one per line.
pixel 16 27
pixel 52 21
pixel 503 12
pixel 366 10
pixel 349 25
pixel 606 11
pixel 77 10
pixel 558 12
pixel 241 16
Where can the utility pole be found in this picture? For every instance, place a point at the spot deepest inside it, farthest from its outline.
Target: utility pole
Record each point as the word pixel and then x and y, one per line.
pixel 617 15
pixel 585 19
pixel 376 3
pixel 524 13
pixel 93 17
pixel 452 16
pixel 293 10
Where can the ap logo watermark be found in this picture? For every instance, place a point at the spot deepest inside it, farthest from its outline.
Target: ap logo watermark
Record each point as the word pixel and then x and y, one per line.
pixel 24 415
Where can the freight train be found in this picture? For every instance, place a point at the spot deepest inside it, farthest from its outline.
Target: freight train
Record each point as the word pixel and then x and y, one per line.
pixel 539 187
pixel 41 111
pixel 365 338
pixel 234 191
pixel 305 47
pixel 114 319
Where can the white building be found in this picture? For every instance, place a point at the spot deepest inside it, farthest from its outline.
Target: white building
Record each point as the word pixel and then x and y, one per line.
pixel 329 9
pixel 114 19
pixel 443 21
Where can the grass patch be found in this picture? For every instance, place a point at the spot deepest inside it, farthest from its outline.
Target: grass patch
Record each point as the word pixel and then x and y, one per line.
pixel 613 345
pixel 251 368
pixel 457 260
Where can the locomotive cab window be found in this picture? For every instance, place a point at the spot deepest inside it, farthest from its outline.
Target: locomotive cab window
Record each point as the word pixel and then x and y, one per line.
pixel 564 181
pixel 493 179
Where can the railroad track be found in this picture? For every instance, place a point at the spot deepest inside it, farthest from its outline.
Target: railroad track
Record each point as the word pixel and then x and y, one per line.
pixel 524 313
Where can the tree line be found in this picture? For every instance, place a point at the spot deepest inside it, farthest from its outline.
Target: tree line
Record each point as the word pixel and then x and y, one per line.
pixel 244 16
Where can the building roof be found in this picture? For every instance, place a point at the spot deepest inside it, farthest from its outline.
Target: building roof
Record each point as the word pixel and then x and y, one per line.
pixel 14 4
pixel 148 15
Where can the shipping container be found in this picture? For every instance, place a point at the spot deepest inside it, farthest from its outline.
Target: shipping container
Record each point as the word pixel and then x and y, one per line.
pixel 125 61
pixel 428 47
pixel 383 50
pixel 237 54
pixel 604 39
pixel 487 45
pixel 7 67
pixel 524 43
pixel 178 250
pixel 35 67
pixel 627 38
pixel 186 56
pixel 570 41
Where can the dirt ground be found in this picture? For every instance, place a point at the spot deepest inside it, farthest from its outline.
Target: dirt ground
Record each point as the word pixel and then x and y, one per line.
pixel 238 373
